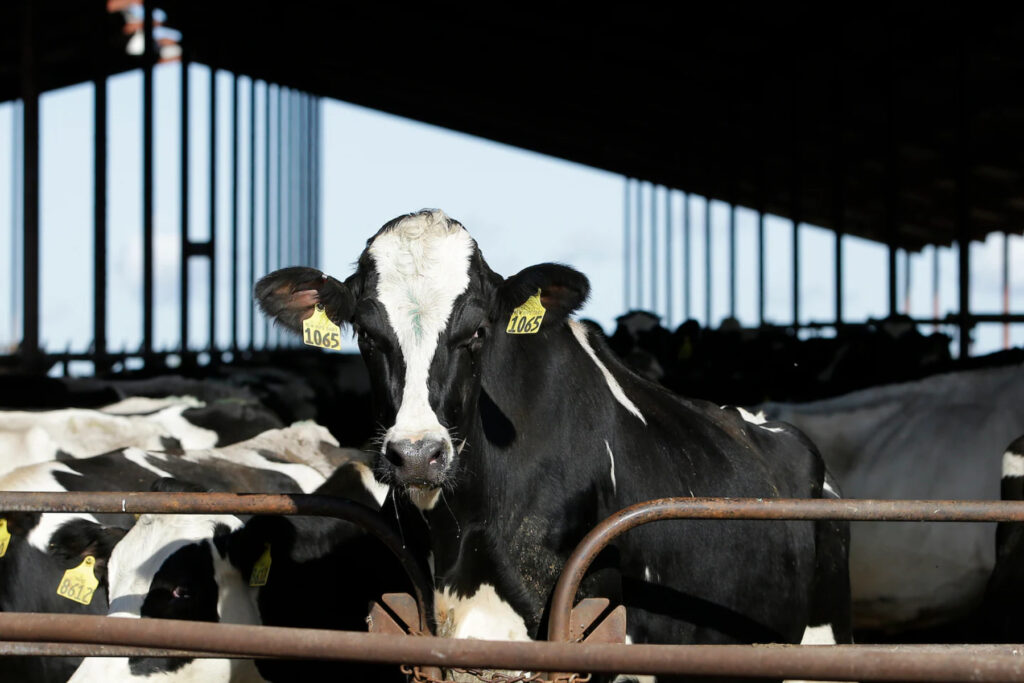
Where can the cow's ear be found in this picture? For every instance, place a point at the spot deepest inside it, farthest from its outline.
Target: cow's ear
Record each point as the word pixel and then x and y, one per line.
pixel 245 545
pixel 80 538
pixel 289 296
pixel 563 290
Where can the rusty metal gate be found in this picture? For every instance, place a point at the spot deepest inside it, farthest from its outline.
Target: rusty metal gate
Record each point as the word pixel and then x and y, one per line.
pixel 602 650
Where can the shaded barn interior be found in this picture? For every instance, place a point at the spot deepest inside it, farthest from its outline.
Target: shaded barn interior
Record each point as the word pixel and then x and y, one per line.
pixel 903 126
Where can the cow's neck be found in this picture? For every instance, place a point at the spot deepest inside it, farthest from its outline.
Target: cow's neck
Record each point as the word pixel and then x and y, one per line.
pixel 521 501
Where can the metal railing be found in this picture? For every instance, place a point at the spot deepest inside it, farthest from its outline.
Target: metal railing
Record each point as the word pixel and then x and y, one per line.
pixel 99 636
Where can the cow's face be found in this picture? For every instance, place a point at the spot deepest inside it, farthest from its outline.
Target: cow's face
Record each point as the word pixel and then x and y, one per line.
pixel 175 567
pixel 425 308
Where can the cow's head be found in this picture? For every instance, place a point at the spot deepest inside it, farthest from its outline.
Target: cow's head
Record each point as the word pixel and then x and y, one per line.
pixel 426 309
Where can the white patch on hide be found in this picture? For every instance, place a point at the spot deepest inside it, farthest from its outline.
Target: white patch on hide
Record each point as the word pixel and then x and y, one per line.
pixel 483 616
pixel 580 332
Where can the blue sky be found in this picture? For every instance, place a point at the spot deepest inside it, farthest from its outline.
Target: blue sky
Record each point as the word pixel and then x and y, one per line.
pixel 521 207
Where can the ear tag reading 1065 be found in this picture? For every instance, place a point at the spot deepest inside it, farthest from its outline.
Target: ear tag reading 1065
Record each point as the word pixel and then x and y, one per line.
pixel 318 330
pixel 5 537
pixel 526 318
pixel 79 583
pixel 261 570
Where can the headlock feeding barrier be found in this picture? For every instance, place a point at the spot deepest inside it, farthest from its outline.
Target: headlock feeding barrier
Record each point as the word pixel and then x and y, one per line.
pixel 587 639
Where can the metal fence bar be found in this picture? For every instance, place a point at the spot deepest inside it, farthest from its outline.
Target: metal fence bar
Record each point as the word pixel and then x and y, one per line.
pixel 837 662
pixel 851 509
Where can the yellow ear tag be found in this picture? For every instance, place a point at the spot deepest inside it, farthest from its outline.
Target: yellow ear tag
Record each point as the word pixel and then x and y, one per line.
pixel 318 330
pixel 526 318
pixel 5 536
pixel 261 570
pixel 79 583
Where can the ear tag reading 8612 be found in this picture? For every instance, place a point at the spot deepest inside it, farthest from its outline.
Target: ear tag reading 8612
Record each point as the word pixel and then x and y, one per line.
pixel 79 583
pixel 261 570
pixel 527 317
pixel 318 330
pixel 5 537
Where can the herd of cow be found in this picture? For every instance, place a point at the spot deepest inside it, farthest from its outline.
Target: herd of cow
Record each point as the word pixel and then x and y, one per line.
pixel 501 431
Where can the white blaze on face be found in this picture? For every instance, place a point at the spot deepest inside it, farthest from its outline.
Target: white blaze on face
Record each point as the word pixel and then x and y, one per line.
pixel 422 266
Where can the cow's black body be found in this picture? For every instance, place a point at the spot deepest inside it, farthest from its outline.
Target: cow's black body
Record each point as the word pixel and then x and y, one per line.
pixel 515 446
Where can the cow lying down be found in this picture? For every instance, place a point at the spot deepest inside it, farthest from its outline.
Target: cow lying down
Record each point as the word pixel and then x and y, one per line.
pixel 42 547
pixel 30 437
pixel 323 573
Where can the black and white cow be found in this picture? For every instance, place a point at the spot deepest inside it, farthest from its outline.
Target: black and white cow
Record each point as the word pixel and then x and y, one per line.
pixel 323 574
pixel 29 437
pixel 1002 617
pixel 43 546
pixel 935 438
pixel 515 445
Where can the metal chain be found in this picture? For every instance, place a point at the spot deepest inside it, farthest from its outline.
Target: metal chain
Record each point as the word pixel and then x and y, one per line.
pixel 418 676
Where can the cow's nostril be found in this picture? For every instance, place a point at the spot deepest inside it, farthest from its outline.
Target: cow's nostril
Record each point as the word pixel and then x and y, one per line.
pixel 394 454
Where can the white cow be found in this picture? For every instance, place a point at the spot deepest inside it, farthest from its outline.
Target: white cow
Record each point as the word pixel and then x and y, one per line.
pixel 939 437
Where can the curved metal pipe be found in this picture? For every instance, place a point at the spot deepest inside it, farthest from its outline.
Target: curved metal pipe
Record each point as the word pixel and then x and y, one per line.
pixel 850 509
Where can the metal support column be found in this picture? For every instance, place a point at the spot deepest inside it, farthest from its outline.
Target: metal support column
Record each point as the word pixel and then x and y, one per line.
pixel 627 294
pixel 892 277
pixel 213 211
pixel 99 204
pixel 236 201
pixel 687 270
pixel 639 225
pixel 707 262
pixel 654 248
pixel 149 59
pixel 266 200
pixel 732 261
pixel 184 303
pixel 963 207
pixel 252 209
pixel 1006 288
pixel 760 267
pixel 30 183
pixel 668 258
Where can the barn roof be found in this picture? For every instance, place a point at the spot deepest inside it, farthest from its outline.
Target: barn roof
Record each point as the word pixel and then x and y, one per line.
pixel 903 124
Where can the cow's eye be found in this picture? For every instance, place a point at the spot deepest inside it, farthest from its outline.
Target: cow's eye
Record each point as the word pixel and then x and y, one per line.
pixel 480 333
pixel 181 592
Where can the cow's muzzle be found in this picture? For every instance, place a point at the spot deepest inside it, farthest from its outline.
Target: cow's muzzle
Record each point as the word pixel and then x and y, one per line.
pixel 418 463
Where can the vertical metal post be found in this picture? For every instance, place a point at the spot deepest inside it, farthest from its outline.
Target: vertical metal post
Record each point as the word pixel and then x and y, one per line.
pixel 213 211
pixel 892 276
pixel 317 175
pixel 963 206
pixel 184 303
pixel 99 206
pixel 838 180
pixel 266 199
pixel 251 309
pixel 707 262
pixel 796 200
pixel 1006 288
pixel 796 270
pixel 906 281
pixel 639 245
pixel 687 269
pixel 935 286
pixel 627 243
pixel 149 59
pixel 236 201
pixel 280 190
pixel 760 268
pixel 30 183
pixel 654 248
pixel 183 344
pixel 668 258
pixel 732 261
